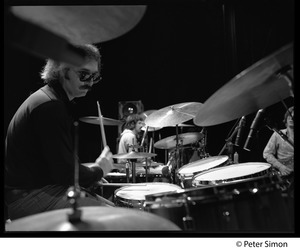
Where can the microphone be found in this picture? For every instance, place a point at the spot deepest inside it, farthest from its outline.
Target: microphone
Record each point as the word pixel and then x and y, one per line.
pixel 242 124
pixel 253 128
pixel 166 171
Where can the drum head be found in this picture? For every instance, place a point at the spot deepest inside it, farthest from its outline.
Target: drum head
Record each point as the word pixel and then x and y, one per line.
pixel 231 172
pixel 115 174
pixel 202 165
pixel 140 190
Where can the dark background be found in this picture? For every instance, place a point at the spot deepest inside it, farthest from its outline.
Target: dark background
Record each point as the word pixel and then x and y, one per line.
pixel 181 51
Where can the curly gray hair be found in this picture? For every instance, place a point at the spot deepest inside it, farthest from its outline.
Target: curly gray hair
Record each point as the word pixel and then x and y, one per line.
pixel 50 71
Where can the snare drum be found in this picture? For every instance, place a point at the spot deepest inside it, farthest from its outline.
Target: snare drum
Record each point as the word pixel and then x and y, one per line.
pixel 186 172
pixel 133 196
pixel 249 205
pixel 231 173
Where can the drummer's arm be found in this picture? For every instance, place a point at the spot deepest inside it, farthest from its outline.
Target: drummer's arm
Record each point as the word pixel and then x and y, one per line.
pixel 269 154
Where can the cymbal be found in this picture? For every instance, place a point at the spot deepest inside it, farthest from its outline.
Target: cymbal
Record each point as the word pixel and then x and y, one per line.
pixel 183 139
pixel 83 24
pixel 174 114
pixel 95 120
pixel 29 38
pixel 145 114
pixel 257 87
pixel 93 219
pixel 134 155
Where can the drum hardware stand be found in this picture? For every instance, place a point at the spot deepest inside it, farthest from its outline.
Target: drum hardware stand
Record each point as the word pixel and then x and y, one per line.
pixel 74 193
pixel 202 144
pixel 188 220
pixel 133 162
pixel 133 165
pixel 229 145
pixel 143 139
pixel 127 165
pixel 177 157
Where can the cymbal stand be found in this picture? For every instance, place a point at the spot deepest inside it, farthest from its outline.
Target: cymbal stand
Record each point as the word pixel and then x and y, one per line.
pixel 133 162
pixel 177 156
pixel 73 193
pixel 127 165
pixel 143 140
pixel 202 144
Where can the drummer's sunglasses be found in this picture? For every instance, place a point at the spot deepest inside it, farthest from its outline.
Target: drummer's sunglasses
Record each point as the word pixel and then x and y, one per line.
pixel 85 76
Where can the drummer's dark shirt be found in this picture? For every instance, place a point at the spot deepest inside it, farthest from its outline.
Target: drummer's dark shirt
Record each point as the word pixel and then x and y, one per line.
pixel 39 147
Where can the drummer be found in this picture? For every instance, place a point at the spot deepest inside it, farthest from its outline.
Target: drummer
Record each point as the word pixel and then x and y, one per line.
pixel 39 152
pixel 129 137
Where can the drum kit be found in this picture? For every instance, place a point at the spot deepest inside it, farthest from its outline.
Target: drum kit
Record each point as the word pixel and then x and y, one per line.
pixel 209 195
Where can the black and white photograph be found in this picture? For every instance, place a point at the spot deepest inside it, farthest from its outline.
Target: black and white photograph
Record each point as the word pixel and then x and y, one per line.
pixel 149 119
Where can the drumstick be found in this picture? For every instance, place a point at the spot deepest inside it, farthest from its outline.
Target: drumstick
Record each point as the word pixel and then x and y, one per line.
pixel 150 145
pixel 101 125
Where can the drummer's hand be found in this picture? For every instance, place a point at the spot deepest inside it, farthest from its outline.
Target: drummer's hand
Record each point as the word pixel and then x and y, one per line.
pixel 285 170
pixel 105 161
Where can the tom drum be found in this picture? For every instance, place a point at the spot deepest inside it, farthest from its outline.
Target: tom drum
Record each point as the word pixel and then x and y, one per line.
pixel 187 172
pixel 133 196
pixel 249 205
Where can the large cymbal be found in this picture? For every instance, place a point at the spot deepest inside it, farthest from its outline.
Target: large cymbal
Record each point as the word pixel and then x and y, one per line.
pixel 173 115
pixel 106 121
pixel 93 219
pixel 255 88
pixel 83 24
pixel 39 42
pixel 145 114
pixel 183 139
pixel 134 155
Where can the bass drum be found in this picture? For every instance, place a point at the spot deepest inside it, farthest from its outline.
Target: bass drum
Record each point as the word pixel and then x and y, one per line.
pixel 133 196
pixel 249 205
pixel 187 172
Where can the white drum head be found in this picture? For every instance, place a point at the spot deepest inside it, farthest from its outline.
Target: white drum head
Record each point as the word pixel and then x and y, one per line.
pixel 202 165
pixel 116 174
pixel 139 190
pixel 233 171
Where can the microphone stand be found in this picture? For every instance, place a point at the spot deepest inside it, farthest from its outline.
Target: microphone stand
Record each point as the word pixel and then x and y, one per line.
pixel 229 145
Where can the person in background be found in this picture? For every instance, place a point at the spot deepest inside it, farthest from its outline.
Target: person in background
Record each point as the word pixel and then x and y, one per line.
pixel 39 146
pixel 278 151
pixel 129 137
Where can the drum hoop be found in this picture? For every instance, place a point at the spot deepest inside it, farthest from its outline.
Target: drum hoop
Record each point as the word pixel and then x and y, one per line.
pixel 223 181
pixel 189 175
pixel 144 184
